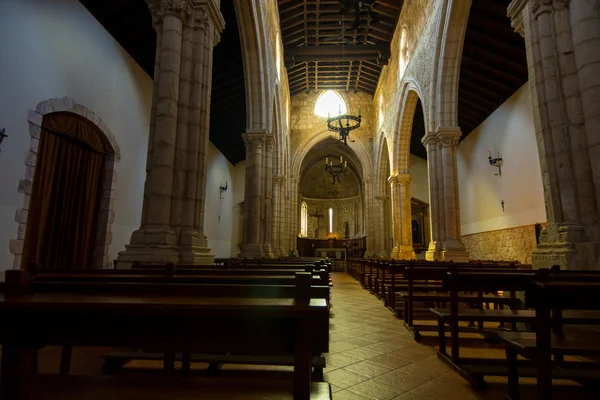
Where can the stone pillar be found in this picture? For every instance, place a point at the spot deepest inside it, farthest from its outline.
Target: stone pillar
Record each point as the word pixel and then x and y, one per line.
pixel 436 203
pixel 370 217
pixel 267 210
pixel 254 197
pixel 396 216
pixel 294 213
pixel 406 250
pixel 277 223
pixel 174 194
pixel 382 251
pixel 446 243
pixel 562 40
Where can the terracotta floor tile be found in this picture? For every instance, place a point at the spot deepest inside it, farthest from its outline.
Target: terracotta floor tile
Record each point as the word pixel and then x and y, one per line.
pixel 367 368
pixel 402 380
pixel 375 390
pixel 344 378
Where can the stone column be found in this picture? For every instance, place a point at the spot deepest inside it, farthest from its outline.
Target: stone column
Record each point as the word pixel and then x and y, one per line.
pixel 406 250
pixel 174 194
pixel 277 222
pixel 396 216
pixel 435 202
pixel 254 194
pixel 446 243
pixel 294 213
pixel 562 40
pixel 370 217
pixel 382 251
pixel 267 210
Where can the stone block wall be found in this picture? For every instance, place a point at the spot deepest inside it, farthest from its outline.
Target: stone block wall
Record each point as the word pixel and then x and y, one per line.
pixel 502 245
pixel 343 211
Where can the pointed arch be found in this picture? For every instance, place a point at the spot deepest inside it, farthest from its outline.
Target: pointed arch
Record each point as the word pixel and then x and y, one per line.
pixel 250 21
pixel 445 89
pixel 411 94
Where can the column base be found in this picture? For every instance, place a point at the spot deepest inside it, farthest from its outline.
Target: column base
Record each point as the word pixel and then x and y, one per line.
pixel 565 246
pixel 403 253
pixel 158 246
pixel 252 251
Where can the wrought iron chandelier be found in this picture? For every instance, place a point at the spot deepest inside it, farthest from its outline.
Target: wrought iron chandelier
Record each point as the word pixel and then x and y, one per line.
pixel 336 170
pixel 343 125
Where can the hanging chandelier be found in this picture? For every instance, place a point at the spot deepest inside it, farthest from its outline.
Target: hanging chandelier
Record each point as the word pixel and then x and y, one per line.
pixel 343 124
pixel 336 170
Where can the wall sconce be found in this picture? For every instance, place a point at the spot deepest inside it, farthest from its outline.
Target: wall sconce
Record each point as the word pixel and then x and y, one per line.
pixel 222 189
pixel 3 135
pixel 502 204
pixel 495 162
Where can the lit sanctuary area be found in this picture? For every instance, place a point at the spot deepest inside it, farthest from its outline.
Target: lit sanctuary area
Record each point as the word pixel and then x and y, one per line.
pixel 299 199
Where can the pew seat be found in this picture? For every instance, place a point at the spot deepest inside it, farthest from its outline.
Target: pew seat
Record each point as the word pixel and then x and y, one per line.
pixel 116 360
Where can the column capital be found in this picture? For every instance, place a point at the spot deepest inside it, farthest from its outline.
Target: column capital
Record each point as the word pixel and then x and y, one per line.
pixel 404 179
pixel 514 12
pixel 159 8
pixel 269 142
pixel 381 198
pixel 279 179
pixel 254 139
pixel 208 10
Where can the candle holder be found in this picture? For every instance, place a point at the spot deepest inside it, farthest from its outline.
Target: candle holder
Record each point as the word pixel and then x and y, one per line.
pixel 336 170
pixel 222 189
pixel 495 162
pixel 3 135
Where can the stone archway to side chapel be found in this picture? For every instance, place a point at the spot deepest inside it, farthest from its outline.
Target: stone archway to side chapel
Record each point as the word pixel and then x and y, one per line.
pixel 106 211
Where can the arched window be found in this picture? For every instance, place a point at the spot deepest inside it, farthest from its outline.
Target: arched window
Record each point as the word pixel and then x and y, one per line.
pixel 330 104
pixel 304 219
pixel 403 52
pixel 331 220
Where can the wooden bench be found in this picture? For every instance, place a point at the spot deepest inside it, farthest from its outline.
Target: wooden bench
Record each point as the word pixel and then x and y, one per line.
pixel 549 300
pixel 475 369
pixel 440 295
pixel 295 326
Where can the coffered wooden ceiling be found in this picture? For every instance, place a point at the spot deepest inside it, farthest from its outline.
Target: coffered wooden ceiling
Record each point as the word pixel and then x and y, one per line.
pixel 337 44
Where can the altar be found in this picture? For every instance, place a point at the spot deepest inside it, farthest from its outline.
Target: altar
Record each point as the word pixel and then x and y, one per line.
pixel 338 253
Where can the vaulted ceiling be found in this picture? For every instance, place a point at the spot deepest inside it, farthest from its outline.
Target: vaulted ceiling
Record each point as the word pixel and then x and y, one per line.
pixel 337 44
pixel 329 49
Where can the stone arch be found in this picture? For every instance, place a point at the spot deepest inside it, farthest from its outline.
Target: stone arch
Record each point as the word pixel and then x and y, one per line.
pixel 250 20
pixel 410 95
pixel 384 166
pixel 445 89
pixel 106 212
pixel 357 147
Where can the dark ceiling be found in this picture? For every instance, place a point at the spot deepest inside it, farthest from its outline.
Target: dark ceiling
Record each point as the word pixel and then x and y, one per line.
pixel 336 44
pixel 130 23
pixel 494 64
pixel 348 50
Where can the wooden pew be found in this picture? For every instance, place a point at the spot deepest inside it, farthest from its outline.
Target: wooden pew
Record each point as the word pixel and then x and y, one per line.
pixel 295 325
pixel 436 293
pixel 475 369
pixel 550 300
pixel 168 279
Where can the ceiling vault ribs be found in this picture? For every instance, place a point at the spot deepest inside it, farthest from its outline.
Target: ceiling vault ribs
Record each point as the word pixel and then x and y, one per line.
pixel 336 48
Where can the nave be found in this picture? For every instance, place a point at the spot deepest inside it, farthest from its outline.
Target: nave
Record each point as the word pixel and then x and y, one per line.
pixel 371 356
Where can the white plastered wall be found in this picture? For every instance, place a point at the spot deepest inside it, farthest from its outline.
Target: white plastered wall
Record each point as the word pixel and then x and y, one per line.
pixel 55 49
pixel 509 130
pixel 419 186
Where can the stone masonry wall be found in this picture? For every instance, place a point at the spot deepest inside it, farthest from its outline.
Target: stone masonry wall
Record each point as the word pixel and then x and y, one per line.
pixel 502 245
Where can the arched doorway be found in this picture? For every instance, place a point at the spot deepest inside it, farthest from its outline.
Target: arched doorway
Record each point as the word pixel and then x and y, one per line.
pixel 66 225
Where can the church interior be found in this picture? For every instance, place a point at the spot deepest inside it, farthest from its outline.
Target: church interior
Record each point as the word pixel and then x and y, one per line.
pixel 307 199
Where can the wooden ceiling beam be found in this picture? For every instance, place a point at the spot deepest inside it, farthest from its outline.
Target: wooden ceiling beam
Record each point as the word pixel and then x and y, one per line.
pixel 490 58
pixel 486 80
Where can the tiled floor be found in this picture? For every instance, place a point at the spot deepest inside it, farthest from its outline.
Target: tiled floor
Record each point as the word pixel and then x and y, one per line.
pixel 371 357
